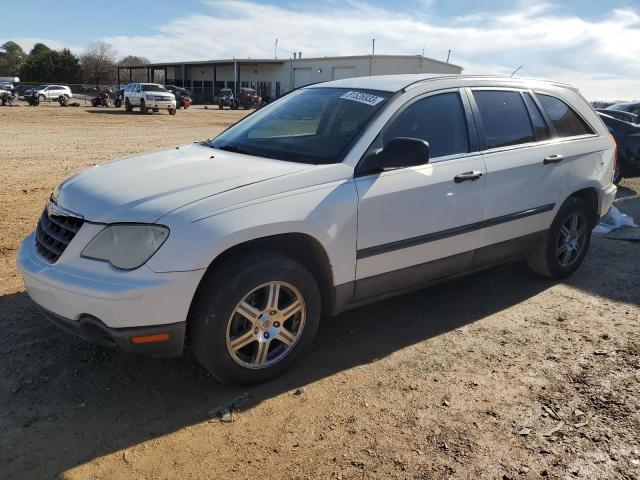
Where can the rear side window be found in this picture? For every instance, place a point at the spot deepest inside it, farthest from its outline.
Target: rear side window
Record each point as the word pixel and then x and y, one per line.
pixel 439 119
pixel 566 121
pixel 539 125
pixel 504 117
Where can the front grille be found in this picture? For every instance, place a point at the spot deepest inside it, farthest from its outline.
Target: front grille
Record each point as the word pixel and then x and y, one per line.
pixel 162 99
pixel 54 233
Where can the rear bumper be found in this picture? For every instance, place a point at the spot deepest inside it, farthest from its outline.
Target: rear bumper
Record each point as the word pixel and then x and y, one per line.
pixel 93 330
pixel 608 195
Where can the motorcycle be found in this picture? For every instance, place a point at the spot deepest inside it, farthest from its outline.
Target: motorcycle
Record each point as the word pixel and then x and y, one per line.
pixel 102 100
pixel 185 101
pixel 6 97
pixel 118 101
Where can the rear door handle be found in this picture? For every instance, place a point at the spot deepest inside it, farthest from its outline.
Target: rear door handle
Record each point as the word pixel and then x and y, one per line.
pixel 463 177
pixel 552 159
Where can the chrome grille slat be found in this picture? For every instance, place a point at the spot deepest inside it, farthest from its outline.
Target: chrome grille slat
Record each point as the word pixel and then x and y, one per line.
pixel 54 233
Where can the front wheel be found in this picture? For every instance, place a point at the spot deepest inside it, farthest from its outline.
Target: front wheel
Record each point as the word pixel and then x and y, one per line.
pixel 566 243
pixel 172 111
pixel 143 108
pixel 253 317
pixel 127 105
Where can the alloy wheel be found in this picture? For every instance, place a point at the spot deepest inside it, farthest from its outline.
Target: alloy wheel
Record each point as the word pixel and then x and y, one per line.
pixel 571 240
pixel 265 325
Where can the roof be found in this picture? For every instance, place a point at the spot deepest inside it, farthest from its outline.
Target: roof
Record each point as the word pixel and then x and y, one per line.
pixel 280 61
pixel 395 83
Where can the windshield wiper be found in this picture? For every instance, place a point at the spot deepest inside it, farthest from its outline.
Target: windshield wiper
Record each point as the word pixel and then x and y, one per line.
pixel 243 150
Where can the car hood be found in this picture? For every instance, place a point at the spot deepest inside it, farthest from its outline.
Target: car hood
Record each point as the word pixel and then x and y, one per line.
pixel 144 188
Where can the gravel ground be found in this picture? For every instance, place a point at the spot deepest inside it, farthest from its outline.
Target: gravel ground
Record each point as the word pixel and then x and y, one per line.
pixel 500 375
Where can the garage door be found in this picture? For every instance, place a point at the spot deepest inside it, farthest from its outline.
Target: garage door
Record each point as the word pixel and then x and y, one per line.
pixel 301 77
pixel 343 72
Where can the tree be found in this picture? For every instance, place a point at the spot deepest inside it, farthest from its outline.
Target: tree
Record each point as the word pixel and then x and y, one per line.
pixel 98 63
pixel 137 75
pixel 39 66
pixel 11 59
pixel 46 65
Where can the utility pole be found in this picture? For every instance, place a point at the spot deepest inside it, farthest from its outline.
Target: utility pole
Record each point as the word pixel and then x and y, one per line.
pixel 275 54
pixel 373 52
pixel 448 55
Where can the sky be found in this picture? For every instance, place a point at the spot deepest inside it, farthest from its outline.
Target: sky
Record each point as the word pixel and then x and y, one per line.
pixel 593 45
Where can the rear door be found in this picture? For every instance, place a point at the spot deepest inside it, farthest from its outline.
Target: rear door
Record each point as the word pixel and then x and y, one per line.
pixel 418 224
pixel 524 179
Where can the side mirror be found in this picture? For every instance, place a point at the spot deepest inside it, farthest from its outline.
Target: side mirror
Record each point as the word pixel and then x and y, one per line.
pixel 401 152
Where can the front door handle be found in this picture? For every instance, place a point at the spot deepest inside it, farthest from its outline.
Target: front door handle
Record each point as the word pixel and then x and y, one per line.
pixel 552 159
pixel 463 177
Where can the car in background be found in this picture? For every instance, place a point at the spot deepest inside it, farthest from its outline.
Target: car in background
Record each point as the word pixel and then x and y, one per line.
pixel 627 137
pixel 49 92
pixel 226 99
pixel 631 107
pixel 620 115
pixel 149 96
pixel 249 98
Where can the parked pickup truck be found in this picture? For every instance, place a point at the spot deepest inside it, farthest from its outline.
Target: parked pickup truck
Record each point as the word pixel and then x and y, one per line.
pixel 336 195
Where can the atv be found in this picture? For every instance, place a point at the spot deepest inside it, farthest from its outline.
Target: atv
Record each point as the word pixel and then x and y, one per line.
pixel 226 99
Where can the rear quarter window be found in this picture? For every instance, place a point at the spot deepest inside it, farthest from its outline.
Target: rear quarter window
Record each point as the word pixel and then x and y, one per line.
pixel 566 121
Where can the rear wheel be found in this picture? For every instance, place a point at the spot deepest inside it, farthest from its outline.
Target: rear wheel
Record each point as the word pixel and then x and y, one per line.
pixel 566 243
pixel 253 317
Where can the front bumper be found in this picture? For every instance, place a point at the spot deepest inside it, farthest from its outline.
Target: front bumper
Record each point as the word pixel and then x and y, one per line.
pixel 160 105
pixel 80 294
pixel 132 340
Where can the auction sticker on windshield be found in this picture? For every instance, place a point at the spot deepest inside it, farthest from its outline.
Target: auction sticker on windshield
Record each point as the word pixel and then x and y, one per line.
pixel 362 98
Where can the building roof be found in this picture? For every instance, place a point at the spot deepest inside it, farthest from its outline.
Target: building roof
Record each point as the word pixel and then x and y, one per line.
pixel 280 61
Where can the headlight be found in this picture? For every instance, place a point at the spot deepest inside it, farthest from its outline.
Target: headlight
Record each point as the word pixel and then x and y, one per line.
pixel 148 96
pixel 126 246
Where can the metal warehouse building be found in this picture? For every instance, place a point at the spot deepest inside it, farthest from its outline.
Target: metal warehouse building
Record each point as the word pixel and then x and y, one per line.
pixel 273 77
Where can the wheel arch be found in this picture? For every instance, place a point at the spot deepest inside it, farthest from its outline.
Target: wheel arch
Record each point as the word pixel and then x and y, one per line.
pixel 590 196
pixel 301 247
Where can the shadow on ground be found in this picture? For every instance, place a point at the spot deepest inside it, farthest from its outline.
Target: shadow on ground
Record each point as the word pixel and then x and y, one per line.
pixel 75 401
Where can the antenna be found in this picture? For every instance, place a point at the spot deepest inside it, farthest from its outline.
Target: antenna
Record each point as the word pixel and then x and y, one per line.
pixel 516 70
pixel 448 55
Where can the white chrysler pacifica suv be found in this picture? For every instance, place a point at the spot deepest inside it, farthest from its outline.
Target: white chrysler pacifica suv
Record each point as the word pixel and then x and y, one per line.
pixel 336 195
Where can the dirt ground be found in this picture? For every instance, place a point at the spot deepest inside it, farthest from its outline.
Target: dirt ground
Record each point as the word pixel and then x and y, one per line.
pixel 500 375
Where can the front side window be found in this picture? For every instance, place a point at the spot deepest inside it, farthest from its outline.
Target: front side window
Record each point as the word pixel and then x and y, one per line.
pixel 504 117
pixel 439 120
pixel 566 121
pixel 310 125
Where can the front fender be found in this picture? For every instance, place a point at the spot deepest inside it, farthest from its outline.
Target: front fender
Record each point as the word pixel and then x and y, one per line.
pixel 327 214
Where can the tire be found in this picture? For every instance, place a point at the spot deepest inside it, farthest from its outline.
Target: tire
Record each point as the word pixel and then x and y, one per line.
pixel 172 111
pixel 143 107
pixel 4 101
pixel 545 259
pixel 156 110
pixel 214 316
pixel 127 105
pixel 220 106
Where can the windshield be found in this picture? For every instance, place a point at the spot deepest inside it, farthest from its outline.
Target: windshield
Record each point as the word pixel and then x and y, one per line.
pixel 152 88
pixel 312 125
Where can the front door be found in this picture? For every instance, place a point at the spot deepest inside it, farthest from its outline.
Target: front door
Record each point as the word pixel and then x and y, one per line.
pixel 418 224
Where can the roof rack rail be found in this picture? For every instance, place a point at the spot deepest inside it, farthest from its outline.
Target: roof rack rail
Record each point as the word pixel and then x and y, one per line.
pixel 501 77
